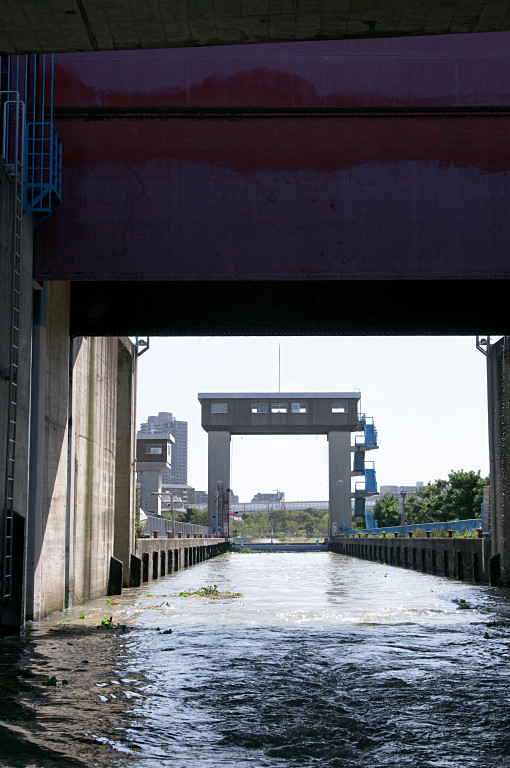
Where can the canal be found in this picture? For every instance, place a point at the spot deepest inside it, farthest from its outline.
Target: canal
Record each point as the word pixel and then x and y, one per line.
pixel 322 661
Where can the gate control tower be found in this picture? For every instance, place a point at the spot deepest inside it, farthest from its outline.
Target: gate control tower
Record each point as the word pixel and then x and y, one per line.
pixel 335 414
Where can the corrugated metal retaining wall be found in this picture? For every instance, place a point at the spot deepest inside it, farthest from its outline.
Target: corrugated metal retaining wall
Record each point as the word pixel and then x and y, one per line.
pixel 464 559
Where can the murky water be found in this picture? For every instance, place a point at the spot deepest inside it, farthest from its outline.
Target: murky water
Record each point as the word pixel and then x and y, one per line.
pixel 324 661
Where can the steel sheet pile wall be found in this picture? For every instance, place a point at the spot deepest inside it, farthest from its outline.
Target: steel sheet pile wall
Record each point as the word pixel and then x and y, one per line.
pixel 464 559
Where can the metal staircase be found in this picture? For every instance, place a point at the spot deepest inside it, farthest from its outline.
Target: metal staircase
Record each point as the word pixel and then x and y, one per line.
pixel 368 486
pixel 43 146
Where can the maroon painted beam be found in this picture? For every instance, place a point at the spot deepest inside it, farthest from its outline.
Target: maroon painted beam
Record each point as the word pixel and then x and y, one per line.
pixel 354 160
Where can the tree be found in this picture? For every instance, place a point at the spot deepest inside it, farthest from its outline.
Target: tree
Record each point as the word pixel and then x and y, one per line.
pixel 458 498
pixel 464 495
pixel 426 505
pixel 386 511
pixel 196 516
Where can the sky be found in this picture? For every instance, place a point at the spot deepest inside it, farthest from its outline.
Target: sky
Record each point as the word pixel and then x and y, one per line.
pixel 427 395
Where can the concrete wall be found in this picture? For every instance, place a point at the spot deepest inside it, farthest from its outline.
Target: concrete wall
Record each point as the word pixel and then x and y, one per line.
pixel 82 460
pixel 49 554
pixel 74 480
pixel 159 557
pixel 11 610
pixel 498 389
pixel 95 385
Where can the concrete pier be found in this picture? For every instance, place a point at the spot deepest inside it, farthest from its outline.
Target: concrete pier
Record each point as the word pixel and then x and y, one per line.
pixel 463 559
pixel 498 391
pixel 161 557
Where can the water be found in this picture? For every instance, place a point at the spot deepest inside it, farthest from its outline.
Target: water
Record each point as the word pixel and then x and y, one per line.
pixel 324 661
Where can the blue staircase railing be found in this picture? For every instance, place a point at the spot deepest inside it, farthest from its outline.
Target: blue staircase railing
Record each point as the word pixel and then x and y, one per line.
pixel 368 486
pixel 43 169
pixel 370 479
pixel 370 523
pixel 369 437
pixel 31 78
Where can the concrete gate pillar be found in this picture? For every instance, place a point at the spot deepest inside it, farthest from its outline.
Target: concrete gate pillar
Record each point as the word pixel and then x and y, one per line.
pixel 125 457
pixel 339 445
pixel 150 491
pixel 219 470
pixel 498 390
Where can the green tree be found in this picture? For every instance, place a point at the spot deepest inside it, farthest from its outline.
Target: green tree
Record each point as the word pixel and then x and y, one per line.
pixel 324 524
pixel 196 516
pixel 386 511
pixel 458 498
pixel 464 495
pixel 426 505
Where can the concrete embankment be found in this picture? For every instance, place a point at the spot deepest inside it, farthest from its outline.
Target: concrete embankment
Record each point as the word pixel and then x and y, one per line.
pixel 464 559
pixel 159 557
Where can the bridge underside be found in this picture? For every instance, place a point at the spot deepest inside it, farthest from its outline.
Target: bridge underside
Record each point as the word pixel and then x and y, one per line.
pixel 289 307
pixel 88 25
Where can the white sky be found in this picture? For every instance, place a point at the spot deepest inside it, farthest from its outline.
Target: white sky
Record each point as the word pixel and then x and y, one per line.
pixel 427 395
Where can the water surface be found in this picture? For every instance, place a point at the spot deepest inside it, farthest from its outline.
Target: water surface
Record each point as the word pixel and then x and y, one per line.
pixel 324 661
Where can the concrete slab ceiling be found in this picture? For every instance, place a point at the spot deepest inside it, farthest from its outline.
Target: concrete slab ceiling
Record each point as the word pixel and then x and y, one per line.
pixel 51 26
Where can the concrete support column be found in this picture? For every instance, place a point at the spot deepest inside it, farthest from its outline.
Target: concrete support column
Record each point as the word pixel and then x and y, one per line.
pixel 150 482
pixel 36 476
pixel 74 350
pixel 125 455
pixel 339 445
pixel 219 470
pixel 498 390
pixel 12 611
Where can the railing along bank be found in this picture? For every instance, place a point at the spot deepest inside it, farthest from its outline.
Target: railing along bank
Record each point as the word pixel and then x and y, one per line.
pixel 458 526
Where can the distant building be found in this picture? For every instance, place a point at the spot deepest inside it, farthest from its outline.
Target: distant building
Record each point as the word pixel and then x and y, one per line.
pixel 269 498
pixel 184 495
pixel 201 497
pixel 163 425
pixel 396 490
